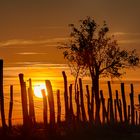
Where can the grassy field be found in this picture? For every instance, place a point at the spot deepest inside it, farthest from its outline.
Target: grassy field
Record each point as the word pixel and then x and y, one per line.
pixel 80 132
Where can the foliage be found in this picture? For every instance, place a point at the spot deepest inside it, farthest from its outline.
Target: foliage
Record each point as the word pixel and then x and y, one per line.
pixel 91 51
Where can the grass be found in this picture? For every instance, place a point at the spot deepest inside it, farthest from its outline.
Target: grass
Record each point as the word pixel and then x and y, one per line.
pixel 81 131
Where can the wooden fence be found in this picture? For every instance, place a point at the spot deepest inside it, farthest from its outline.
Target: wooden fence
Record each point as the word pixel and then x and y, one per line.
pixel 112 110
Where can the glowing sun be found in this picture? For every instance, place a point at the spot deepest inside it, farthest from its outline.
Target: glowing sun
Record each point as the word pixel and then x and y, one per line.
pixel 37 90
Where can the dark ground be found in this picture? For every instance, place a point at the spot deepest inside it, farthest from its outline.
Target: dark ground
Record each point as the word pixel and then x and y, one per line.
pixel 81 132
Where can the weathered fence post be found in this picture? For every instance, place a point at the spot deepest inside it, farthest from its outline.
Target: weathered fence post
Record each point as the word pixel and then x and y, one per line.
pixel 45 109
pixel 88 104
pixel 108 110
pixel 10 107
pixel 124 103
pixel 129 114
pixel 132 105
pixel 92 103
pixel 115 108
pixel 77 106
pixel 51 104
pixel 31 103
pixel 119 106
pixel 136 117
pixel 58 107
pixel 71 105
pixel 139 106
pixel 104 112
pixel 66 96
pixel 2 96
pixel 24 102
pixel 111 103
pixel 82 101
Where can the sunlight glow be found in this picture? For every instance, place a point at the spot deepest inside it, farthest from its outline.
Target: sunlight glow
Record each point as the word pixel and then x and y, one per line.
pixel 37 90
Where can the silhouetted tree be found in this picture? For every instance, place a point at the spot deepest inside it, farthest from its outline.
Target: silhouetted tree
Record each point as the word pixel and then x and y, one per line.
pixel 91 51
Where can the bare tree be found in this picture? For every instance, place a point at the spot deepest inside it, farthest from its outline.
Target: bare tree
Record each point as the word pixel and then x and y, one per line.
pixel 91 51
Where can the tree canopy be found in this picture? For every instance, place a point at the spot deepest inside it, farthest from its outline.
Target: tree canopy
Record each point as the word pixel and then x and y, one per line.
pixel 92 51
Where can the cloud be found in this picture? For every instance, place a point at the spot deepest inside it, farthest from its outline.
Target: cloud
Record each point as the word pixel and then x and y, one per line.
pixel 36 65
pixel 126 33
pixel 52 27
pixel 130 41
pixel 32 42
pixel 127 37
pixel 30 53
pixel 55 41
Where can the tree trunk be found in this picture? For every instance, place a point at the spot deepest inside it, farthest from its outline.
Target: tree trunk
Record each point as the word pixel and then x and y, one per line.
pixel 95 84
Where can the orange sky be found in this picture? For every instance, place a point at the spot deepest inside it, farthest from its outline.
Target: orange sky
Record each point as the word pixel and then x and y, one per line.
pixel 31 29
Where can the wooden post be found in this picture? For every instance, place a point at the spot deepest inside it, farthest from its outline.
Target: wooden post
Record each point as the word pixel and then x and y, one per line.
pixel 132 105
pixel 82 101
pixel 92 104
pixel 77 106
pixel 119 106
pixel 58 107
pixel 129 114
pixel 136 117
pixel 88 104
pixel 124 102
pixel 24 101
pixel 45 110
pixel 10 107
pixel 51 103
pixel 111 103
pixel 104 112
pixel 71 105
pixel 108 110
pixel 2 96
pixel 66 96
pixel 115 108
pixel 31 103
pixel 139 106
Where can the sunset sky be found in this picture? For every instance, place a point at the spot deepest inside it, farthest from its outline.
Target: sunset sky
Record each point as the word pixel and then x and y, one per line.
pixel 31 29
